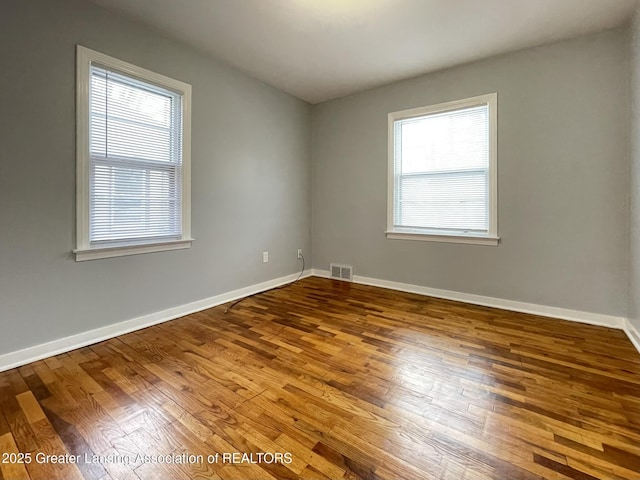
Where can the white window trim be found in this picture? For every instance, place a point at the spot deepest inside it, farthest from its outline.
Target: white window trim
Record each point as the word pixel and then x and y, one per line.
pixel 84 58
pixel 491 238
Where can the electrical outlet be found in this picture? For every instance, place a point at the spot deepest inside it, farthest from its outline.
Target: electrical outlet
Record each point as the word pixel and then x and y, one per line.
pixel 265 257
pixel 299 253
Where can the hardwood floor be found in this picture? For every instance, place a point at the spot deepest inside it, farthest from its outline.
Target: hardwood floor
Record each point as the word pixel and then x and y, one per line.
pixel 340 381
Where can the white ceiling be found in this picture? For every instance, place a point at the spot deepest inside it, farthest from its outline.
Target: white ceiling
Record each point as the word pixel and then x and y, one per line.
pixel 323 49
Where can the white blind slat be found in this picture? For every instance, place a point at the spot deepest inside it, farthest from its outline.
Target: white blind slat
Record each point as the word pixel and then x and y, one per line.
pixel 441 171
pixel 135 159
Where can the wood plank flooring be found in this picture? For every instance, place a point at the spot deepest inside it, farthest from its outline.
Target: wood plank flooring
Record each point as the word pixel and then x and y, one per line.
pixel 334 380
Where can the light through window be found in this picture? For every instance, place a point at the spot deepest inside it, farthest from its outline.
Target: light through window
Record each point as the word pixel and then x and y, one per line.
pixel 136 159
pixel 442 171
pixel 133 159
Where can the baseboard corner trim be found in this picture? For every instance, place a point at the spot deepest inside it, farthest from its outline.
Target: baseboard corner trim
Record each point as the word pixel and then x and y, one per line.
pixel 633 333
pixel 34 353
pixel 320 273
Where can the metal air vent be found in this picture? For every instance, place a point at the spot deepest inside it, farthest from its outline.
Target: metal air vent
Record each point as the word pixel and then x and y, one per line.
pixel 341 272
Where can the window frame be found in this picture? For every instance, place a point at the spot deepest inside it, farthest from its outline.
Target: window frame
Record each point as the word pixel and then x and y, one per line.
pixel 84 250
pixel 399 233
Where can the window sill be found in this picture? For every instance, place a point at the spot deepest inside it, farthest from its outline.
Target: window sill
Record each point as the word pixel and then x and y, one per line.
pixel 123 250
pixel 430 237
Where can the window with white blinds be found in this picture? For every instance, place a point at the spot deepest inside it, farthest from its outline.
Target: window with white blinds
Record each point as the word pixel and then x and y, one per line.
pixel 442 172
pixel 132 161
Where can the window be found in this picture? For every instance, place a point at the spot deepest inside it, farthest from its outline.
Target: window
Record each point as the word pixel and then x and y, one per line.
pixel 443 172
pixel 133 159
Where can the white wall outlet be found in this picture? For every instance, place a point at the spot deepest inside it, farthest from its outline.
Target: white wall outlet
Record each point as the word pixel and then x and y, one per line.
pixel 265 257
pixel 299 253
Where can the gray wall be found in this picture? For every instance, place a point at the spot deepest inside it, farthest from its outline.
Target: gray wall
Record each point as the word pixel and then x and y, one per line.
pixel 634 224
pixel 563 186
pixel 563 166
pixel 251 178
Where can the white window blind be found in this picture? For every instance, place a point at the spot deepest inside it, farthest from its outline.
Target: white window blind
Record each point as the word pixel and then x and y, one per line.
pixel 443 170
pixel 135 149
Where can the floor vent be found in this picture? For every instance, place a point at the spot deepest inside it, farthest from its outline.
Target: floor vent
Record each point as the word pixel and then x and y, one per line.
pixel 341 272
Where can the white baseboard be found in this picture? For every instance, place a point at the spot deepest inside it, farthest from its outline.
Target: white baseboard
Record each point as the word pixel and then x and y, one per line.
pixel 599 319
pixel 633 334
pixel 56 347
pixel 543 310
